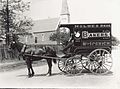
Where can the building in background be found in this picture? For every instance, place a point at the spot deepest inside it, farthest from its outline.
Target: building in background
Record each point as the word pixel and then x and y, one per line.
pixel 64 15
pixel 43 29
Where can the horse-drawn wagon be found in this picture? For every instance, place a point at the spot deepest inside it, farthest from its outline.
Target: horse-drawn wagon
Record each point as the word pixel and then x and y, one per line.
pixel 90 49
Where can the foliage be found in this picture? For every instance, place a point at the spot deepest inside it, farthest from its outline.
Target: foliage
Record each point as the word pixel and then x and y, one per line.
pixel 60 37
pixel 115 41
pixel 18 22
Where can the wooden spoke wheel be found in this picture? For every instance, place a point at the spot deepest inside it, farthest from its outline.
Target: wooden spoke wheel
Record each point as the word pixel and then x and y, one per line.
pixel 85 62
pixel 74 65
pixel 99 61
pixel 84 58
pixel 61 65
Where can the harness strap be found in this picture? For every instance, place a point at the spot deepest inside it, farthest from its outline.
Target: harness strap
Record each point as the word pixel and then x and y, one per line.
pixel 23 48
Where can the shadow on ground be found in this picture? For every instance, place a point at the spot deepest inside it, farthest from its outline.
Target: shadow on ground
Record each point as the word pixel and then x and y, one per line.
pixel 38 75
pixel 85 72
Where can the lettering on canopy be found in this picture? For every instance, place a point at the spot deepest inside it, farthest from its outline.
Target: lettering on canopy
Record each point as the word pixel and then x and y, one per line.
pixel 92 25
pixel 86 34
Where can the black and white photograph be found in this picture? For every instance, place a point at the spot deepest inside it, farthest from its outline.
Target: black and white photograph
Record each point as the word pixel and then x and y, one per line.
pixel 59 44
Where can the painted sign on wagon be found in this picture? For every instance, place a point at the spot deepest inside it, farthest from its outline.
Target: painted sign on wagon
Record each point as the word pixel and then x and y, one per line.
pixel 91 34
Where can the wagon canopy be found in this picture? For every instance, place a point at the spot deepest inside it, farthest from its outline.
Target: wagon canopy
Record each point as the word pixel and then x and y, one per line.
pixel 91 35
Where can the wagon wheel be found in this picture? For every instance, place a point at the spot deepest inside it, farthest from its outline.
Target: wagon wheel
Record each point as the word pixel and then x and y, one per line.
pixel 85 62
pixel 61 65
pixel 74 65
pixel 99 61
pixel 84 59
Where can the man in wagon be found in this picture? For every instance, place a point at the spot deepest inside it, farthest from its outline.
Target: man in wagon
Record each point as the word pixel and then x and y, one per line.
pixel 74 40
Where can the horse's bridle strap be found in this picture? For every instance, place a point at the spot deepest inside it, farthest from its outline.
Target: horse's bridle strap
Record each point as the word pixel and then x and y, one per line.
pixel 23 48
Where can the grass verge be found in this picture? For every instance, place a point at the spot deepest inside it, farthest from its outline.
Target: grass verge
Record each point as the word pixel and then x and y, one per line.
pixel 11 66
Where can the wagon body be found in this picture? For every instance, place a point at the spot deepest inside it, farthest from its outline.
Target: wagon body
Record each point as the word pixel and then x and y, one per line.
pixel 92 36
pixel 94 42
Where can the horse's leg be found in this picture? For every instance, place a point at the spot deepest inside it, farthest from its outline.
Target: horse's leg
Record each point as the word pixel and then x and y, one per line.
pixel 29 73
pixel 32 69
pixel 28 66
pixel 49 62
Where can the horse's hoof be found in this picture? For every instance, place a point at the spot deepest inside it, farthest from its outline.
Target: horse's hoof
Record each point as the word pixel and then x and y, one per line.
pixel 48 75
pixel 30 75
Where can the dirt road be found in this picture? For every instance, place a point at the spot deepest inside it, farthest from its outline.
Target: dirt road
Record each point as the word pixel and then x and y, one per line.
pixel 19 78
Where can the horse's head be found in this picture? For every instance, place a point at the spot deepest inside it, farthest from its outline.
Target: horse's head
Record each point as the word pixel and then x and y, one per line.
pixel 12 45
pixel 17 45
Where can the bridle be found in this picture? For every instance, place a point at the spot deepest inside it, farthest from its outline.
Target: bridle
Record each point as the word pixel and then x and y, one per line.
pixel 23 48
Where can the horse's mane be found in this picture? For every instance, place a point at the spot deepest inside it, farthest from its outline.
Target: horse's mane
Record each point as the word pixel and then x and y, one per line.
pixel 19 45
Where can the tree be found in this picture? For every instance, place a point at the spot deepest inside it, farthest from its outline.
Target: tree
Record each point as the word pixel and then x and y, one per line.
pixel 115 41
pixel 13 21
pixel 60 37
pixel 12 18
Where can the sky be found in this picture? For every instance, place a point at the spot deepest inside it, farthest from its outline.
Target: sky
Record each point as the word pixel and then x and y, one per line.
pixel 43 9
pixel 81 11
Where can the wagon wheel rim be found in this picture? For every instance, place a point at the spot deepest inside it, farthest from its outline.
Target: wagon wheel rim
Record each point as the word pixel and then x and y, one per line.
pixel 99 61
pixel 85 62
pixel 61 65
pixel 73 65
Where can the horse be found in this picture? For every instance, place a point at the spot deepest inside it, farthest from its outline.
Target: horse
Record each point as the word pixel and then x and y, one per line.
pixel 23 49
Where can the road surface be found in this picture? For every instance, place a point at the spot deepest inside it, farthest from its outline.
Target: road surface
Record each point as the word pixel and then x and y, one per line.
pixel 19 79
